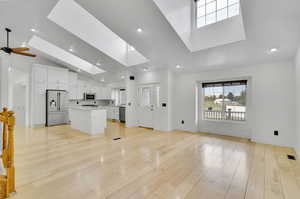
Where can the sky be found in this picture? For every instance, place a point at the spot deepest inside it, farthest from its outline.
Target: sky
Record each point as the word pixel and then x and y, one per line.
pixel 236 90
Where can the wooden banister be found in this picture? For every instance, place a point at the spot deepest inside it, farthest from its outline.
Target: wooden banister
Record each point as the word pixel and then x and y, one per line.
pixel 7 181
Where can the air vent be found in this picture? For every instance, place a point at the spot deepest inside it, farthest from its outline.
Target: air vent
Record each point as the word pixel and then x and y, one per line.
pixel 117 138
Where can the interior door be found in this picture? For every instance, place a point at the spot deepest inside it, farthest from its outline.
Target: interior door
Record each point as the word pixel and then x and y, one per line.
pixel 146 105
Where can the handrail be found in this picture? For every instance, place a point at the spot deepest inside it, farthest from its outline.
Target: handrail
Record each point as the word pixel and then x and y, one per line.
pixel 7 181
pixel 224 115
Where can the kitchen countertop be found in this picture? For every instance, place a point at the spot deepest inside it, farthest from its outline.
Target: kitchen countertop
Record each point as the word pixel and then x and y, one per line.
pixel 87 108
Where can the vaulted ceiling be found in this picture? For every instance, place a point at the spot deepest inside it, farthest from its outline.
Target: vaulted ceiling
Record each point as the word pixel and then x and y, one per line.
pixel 268 24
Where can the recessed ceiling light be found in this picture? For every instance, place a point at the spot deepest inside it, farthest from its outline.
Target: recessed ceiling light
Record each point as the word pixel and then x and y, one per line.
pixel 33 30
pixel 102 80
pixel 145 69
pixel 9 69
pixel 131 48
pixel 273 50
pixel 139 30
pixel 122 77
pixel 71 50
pixel 178 66
pixel 98 64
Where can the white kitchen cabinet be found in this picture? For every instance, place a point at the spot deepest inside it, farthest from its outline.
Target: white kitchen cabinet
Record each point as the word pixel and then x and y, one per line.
pixel 81 87
pixel 99 92
pixel 57 78
pixel 39 74
pixel 73 77
pixel 112 113
pixel 104 93
pixel 74 92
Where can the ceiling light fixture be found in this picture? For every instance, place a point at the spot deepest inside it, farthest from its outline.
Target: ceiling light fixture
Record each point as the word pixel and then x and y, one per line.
pixel 98 64
pixel 139 30
pixel 273 50
pixel 33 30
pixel 71 50
pixel 131 48
pixel 122 77
pixel 178 66
pixel 145 69
pixel 102 80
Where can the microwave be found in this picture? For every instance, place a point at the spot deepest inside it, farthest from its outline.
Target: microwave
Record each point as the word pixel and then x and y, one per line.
pixel 89 96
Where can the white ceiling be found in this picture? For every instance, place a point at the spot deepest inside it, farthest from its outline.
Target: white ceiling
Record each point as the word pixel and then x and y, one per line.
pixel 268 23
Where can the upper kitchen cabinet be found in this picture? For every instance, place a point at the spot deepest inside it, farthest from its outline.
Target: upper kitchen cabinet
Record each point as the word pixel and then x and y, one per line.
pixel 39 74
pixel 57 78
pixel 104 93
pixel 72 78
pixel 74 92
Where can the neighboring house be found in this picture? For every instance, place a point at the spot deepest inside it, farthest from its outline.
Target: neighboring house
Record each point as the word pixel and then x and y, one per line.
pixel 236 108
pixel 220 101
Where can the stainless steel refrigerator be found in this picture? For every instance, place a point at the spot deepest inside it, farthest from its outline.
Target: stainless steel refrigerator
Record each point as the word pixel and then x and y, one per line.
pixel 56 107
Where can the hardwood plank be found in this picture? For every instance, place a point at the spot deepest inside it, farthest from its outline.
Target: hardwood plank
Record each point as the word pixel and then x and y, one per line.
pixel 59 162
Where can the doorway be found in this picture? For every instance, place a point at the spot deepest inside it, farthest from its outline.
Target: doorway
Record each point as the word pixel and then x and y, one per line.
pixel 148 101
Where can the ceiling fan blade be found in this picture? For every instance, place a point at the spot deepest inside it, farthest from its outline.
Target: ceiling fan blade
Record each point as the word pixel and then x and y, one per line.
pixel 20 49
pixel 25 54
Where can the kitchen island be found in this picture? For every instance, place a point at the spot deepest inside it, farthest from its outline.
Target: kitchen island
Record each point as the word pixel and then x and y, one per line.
pixel 91 120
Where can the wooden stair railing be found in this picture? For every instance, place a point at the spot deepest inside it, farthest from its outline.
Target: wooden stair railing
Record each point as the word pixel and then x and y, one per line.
pixel 7 181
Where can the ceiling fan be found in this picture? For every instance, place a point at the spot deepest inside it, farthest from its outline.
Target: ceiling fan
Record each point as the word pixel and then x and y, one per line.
pixel 19 51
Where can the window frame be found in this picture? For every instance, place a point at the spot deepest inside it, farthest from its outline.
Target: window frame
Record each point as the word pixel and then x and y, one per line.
pixel 202 109
pixel 216 12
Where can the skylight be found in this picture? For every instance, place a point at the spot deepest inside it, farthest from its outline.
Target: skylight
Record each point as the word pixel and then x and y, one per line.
pixel 213 11
pixel 63 55
pixel 69 15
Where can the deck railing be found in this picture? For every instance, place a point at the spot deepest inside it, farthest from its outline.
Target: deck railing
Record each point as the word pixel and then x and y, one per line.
pixel 7 180
pixel 224 115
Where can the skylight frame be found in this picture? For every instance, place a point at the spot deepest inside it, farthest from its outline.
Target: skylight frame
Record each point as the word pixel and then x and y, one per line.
pixel 92 31
pixel 63 55
pixel 214 12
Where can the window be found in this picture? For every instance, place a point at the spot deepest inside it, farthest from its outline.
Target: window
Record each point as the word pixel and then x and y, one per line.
pixel 225 100
pixel 213 11
pixel 119 96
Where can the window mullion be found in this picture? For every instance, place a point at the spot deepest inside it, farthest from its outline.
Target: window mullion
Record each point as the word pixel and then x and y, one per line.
pixel 223 104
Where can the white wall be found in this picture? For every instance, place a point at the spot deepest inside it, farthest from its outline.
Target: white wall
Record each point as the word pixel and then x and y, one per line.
pixel 271 104
pixel 131 107
pixel 297 77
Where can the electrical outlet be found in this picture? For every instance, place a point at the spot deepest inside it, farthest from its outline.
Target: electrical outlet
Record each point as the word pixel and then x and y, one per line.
pixel 276 133
pixel 182 121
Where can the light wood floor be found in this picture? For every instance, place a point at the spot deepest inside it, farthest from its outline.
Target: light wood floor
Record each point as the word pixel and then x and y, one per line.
pixel 60 163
